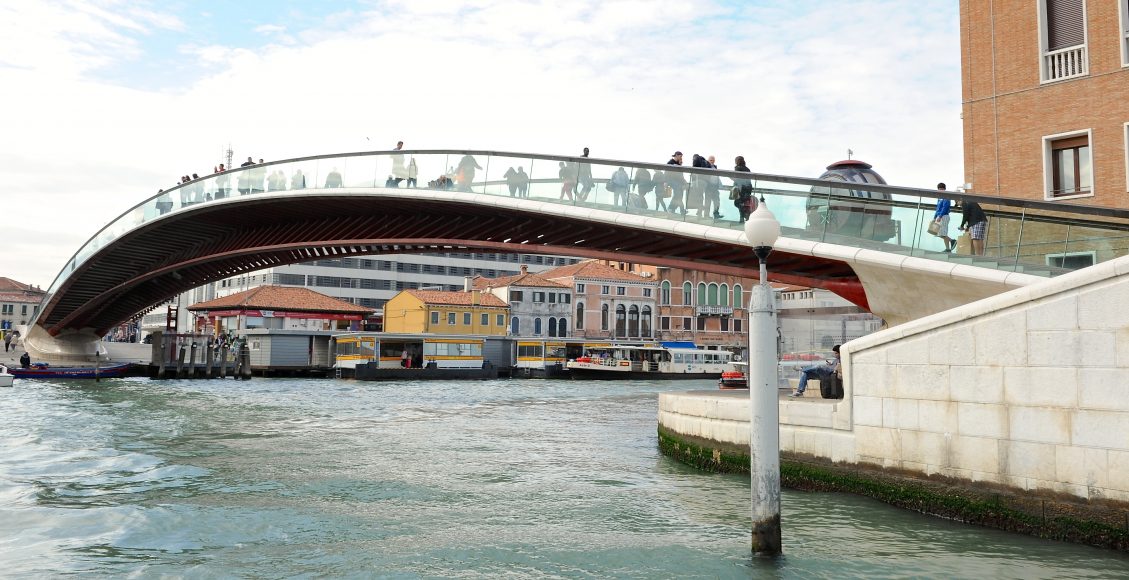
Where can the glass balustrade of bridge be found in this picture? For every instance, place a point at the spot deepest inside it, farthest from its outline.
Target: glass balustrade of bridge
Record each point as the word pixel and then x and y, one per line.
pixel 1037 238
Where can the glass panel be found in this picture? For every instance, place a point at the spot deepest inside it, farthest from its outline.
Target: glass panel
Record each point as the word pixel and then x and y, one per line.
pixel 362 172
pixel 508 176
pixel 468 172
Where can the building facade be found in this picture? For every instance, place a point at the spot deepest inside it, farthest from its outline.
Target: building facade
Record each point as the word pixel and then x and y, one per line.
pixel 1044 99
pixel 19 303
pixel 445 312
pixel 608 302
pixel 709 309
pixel 276 308
pixel 538 306
pixel 368 281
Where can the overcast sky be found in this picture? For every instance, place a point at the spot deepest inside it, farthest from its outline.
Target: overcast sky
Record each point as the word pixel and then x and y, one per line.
pixel 106 101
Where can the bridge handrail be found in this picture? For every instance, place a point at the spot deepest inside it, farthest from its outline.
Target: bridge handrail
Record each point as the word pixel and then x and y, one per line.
pixel 792 194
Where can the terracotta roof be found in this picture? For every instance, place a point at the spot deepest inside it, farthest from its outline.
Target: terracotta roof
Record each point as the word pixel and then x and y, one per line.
pixel 457 298
pixel 526 279
pixel 282 298
pixel 24 297
pixel 8 285
pixel 593 270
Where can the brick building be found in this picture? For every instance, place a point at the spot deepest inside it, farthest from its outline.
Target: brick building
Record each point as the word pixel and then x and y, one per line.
pixel 608 302
pixel 1044 99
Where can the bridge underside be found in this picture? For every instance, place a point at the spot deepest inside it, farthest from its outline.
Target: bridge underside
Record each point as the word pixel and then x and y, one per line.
pixel 218 240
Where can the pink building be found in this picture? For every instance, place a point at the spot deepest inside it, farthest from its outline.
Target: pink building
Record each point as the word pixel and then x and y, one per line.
pixel 608 302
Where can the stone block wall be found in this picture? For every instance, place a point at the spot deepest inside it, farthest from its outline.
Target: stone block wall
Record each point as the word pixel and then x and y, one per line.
pixel 1028 389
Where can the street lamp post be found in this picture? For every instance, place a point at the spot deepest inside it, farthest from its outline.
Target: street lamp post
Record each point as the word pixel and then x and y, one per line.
pixel 762 230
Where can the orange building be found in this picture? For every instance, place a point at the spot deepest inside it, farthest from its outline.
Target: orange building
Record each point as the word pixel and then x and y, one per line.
pixel 446 312
pixel 1045 107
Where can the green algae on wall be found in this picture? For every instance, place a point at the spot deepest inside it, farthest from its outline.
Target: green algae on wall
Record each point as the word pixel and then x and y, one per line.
pixel 1050 518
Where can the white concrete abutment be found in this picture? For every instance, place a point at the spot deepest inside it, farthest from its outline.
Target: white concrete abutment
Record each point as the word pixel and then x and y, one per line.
pixel 1026 390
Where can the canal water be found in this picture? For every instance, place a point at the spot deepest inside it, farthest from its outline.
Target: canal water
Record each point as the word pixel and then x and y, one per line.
pixel 329 478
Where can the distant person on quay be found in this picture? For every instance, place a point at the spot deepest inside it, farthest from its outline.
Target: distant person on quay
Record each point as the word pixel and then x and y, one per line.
pixel 7 340
pixel 821 372
pixel 941 217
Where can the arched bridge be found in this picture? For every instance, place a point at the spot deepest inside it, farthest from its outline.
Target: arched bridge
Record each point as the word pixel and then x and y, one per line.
pixel 864 241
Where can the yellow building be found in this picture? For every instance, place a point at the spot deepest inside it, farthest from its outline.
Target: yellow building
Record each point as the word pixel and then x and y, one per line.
pixel 442 312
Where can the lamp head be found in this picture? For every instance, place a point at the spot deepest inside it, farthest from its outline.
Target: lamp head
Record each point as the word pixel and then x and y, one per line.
pixel 762 231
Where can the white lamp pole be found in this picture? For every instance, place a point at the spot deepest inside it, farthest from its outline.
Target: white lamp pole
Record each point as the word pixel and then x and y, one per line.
pixel 762 230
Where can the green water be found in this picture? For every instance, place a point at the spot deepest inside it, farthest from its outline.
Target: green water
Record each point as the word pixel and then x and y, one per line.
pixel 326 478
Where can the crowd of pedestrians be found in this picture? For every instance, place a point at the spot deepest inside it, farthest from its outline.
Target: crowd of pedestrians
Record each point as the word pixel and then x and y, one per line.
pixel 674 191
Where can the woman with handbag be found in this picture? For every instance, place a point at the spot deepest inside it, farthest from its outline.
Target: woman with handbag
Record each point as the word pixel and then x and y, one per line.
pixel 941 219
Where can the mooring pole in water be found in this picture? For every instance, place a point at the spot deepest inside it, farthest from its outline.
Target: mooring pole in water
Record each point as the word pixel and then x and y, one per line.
pixel 209 356
pixel 163 361
pixel 96 379
pixel 245 360
pixel 223 361
pixel 180 362
pixel 192 362
pixel 762 230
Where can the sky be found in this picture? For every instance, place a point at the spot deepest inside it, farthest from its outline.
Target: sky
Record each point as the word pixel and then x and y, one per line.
pixel 107 101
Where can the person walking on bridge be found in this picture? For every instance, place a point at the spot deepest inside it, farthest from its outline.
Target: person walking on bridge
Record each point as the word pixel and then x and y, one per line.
pixel 941 216
pixel 976 223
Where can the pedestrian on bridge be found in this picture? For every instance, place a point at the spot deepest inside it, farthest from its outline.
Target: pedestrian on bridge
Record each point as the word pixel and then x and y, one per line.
pixel 976 223
pixel 941 216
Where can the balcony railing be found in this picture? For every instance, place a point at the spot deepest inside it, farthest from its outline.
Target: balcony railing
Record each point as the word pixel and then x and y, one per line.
pixel 1065 63
pixel 714 310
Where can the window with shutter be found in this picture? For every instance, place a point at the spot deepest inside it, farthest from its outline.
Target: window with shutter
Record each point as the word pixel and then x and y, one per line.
pixel 1063 40
pixel 1066 23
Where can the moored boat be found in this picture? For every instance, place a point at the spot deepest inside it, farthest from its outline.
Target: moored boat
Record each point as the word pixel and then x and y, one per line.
pixel 650 361
pixel 45 371
pixel 734 379
pixel 6 378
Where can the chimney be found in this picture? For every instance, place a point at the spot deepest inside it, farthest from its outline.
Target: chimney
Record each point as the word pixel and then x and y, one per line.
pixel 467 283
pixel 525 268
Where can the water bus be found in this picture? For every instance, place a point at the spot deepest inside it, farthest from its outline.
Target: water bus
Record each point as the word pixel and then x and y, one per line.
pixel 668 360
pixel 388 357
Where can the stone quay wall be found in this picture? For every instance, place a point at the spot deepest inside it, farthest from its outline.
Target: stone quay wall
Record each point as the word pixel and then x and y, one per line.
pixel 1026 393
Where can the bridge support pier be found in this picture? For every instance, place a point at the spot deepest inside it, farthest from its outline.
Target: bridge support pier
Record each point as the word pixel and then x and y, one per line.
pixel 70 345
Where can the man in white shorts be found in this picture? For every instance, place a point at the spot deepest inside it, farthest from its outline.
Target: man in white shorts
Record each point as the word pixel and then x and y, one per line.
pixel 941 216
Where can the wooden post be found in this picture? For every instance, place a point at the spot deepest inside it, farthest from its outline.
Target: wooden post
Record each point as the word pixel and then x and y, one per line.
pixel 209 356
pixel 192 362
pixel 245 357
pixel 180 363
pixel 163 362
pixel 223 362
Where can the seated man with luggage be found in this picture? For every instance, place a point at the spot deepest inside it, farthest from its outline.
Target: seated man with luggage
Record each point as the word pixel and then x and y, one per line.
pixel 821 372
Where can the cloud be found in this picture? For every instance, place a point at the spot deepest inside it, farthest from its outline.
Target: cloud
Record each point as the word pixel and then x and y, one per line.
pixel 789 85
